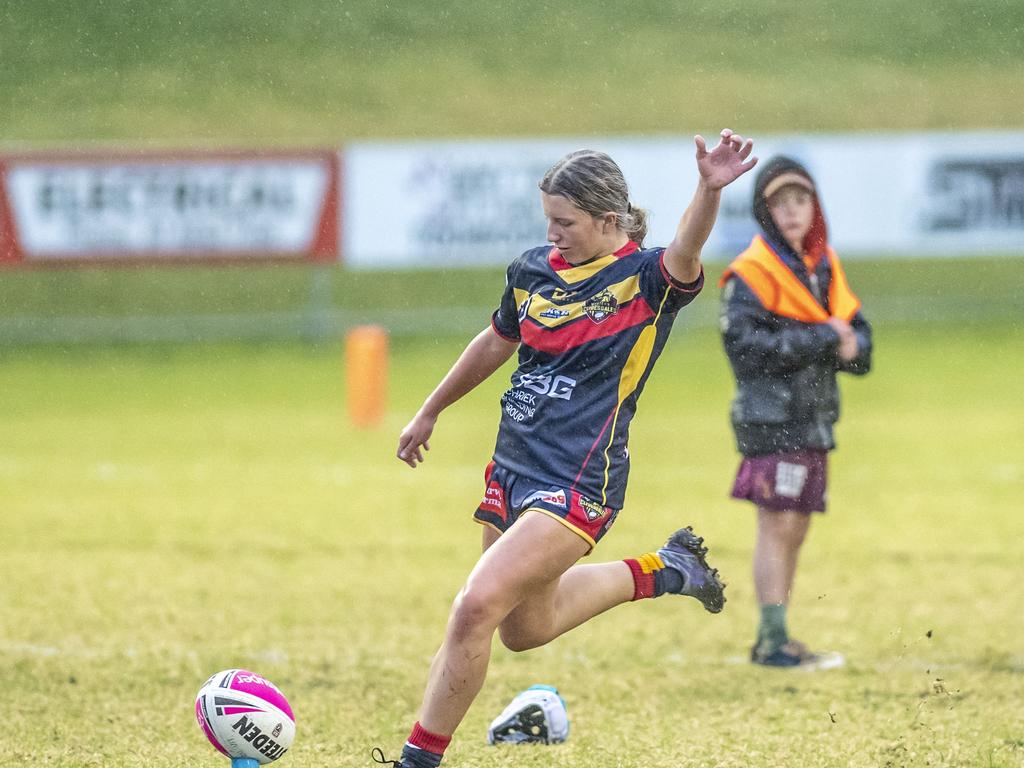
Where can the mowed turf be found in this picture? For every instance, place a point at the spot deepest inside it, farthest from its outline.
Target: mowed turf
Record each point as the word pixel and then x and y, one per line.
pixel 190 73
pixel 168 512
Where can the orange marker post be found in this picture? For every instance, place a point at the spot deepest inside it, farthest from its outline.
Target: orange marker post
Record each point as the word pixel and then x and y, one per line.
pixel 366 374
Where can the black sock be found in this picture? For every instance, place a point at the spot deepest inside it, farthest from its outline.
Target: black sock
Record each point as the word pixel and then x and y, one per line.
pixel 667 580
pixel 414 757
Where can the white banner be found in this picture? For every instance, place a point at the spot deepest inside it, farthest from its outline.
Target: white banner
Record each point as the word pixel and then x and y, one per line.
pixel 447 203
pixel 70 208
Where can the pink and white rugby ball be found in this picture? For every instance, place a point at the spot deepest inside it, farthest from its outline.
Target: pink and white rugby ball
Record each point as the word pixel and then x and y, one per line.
pixel 245 715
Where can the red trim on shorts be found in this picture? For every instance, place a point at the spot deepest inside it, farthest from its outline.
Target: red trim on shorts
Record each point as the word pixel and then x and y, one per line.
pixel 494 496
pixel 588 515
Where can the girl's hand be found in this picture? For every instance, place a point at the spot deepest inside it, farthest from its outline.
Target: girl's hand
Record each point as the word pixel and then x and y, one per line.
pixel 726 162
pixel 415 439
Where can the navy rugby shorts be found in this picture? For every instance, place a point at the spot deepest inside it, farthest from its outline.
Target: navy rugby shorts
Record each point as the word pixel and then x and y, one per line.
pixel 508 495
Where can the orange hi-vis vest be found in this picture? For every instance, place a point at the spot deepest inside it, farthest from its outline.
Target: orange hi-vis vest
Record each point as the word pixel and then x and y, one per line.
pixel 782 293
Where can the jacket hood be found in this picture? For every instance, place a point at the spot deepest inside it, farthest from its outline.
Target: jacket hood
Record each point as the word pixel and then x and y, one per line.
pixel 775 169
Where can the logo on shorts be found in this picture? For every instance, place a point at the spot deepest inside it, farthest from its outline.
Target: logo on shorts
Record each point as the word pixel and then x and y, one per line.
pixel 790 479
pixel 602 306
pixel 591 509
pixel 494 498
pixel 556 498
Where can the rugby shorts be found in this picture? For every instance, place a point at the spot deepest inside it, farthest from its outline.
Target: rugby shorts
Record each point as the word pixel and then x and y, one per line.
pixel 507 496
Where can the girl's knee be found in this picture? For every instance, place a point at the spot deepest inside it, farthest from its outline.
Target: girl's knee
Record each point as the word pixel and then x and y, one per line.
pixel 475 612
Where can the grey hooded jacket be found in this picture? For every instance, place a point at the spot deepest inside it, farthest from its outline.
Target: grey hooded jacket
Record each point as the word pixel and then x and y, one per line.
pixel 787 398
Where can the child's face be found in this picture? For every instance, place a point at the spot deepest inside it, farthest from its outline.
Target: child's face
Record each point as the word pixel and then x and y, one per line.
pixel 792 210
pixel 576 234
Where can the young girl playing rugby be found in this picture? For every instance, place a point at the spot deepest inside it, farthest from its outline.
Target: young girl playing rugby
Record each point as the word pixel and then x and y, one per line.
pixel 589 316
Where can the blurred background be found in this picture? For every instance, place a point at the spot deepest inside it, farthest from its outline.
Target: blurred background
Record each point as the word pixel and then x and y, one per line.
pixel 230 170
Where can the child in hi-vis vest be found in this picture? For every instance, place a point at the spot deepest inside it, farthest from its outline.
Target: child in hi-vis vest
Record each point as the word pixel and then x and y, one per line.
pixel 790 323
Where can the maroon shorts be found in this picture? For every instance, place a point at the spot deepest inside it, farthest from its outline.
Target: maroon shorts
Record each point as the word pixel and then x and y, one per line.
pixel 784 481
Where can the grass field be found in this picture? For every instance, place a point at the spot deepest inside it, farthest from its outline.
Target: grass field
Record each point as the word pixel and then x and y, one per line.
pixel 324 71
pixel 168 511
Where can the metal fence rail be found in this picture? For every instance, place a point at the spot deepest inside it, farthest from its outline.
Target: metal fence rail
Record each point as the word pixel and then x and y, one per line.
pixel 319 324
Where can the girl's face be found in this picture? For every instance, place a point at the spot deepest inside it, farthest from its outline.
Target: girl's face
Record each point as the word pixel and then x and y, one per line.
pixel 578 235
pixel 792 210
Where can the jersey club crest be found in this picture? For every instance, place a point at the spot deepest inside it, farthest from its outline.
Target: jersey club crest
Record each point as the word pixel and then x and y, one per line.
pixel 601 306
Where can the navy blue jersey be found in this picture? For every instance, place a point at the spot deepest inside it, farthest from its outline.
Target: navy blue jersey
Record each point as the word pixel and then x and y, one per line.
pixel 589 336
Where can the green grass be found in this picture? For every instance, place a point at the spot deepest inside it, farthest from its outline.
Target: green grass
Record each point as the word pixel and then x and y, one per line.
pixel 294 301
pixel 170 511
pixel 324 71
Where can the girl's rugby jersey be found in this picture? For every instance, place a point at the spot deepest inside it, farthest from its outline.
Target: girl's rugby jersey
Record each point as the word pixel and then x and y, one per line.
pixel 589 336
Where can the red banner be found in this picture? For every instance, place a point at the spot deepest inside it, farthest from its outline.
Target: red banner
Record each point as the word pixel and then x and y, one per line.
pixel 87 208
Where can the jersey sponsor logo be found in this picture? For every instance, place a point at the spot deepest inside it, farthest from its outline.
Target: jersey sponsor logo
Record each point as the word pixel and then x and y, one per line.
pixel 554 314
pixel 560 294
pixel 557 498
pixel 523 397
pixel 519 405
pixel 790 479
pixel 559 387
pixel 601 306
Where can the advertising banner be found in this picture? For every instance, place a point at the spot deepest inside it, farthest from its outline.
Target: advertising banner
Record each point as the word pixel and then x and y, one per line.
pixel 82 208
pixel 458 203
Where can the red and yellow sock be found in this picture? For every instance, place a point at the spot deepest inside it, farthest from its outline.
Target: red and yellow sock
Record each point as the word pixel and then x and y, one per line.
pixel 644 569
